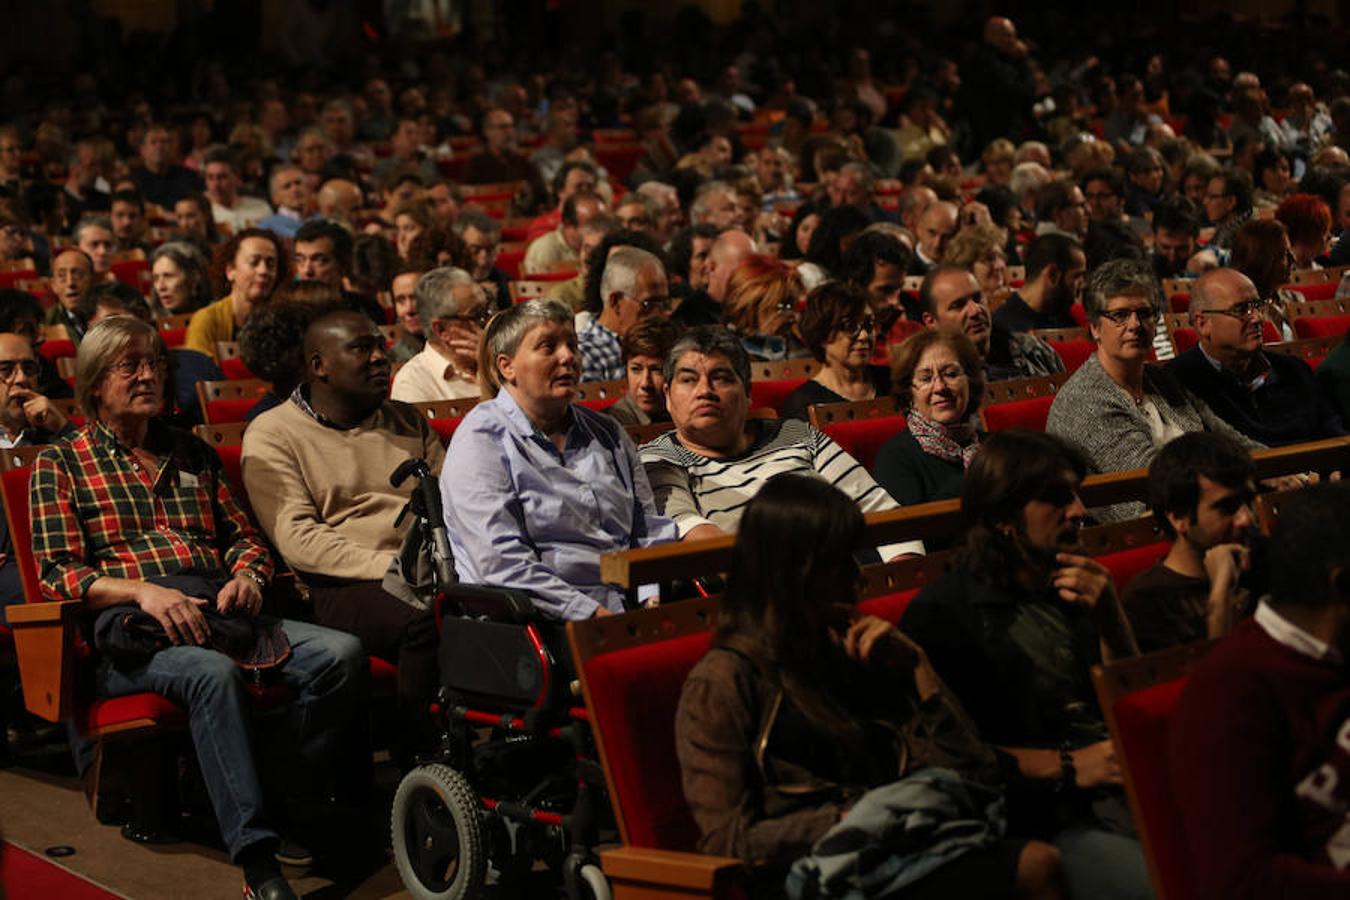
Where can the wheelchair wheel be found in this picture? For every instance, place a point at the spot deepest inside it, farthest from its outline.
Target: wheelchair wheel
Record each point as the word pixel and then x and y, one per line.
pixel 438 835
pixel 595 882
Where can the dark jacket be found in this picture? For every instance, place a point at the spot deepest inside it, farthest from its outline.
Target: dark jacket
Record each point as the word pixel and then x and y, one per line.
pixel 912 476
pixel 1289 407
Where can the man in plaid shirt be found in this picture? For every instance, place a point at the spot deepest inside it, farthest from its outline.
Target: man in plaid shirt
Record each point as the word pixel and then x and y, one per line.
pixel 633 288
pixel 124 515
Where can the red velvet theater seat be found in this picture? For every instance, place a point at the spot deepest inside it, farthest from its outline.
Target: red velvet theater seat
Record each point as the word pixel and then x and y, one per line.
pixel 1126 564
pixel 1030 413
pixel 862 439
pixel 771 394
pixel 1074 353
pixel 1315 326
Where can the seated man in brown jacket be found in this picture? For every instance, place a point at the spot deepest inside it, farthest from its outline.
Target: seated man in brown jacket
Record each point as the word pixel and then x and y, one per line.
pixel 317 471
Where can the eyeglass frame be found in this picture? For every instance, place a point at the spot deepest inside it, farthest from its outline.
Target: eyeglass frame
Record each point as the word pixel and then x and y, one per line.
pixel 1148 316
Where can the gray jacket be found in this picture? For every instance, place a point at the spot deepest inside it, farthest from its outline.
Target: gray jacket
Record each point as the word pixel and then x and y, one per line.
pixel 1092 412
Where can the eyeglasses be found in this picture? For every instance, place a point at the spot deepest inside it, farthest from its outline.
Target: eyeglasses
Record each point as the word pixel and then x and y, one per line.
pixel 1247 310
pixel 131 367
pixel 654 304
pixel 480 318
pixel 851 327
pixel 475 249
pixel 948 374
pixel 1121 317
pixel 8 368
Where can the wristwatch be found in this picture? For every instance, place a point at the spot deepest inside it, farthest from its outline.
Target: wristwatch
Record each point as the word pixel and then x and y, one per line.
pixel 254 577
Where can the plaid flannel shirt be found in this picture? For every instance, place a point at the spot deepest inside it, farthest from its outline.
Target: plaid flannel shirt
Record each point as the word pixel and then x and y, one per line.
pixel 97 511
pixel 601 353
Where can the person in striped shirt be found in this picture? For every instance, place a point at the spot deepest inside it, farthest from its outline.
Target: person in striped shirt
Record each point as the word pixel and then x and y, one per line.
pixel 705 472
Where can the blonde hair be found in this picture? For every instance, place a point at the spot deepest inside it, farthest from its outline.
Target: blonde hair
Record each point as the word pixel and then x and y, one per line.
pixel 103 344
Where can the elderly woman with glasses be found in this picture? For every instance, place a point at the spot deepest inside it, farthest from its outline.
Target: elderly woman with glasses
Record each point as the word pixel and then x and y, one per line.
pixel 839 328
pixel 938 381
pixel 761 306
pixel 537 487
pixel 1117 408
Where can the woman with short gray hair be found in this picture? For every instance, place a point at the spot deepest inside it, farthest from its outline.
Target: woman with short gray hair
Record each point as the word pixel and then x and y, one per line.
pixel 536 486
pixel 1117 408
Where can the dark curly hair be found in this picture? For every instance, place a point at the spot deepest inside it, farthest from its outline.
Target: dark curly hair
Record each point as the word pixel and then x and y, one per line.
pixel 272 341
pixel 230 249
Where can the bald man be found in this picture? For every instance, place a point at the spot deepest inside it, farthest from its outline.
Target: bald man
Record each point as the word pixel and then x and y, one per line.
pixel 338 199
pixel 727 253
pixel 561 248
pixel 937 225
pixel 1270 397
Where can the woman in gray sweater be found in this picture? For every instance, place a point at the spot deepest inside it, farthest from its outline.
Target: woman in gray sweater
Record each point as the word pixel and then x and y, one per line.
pixel 1116 407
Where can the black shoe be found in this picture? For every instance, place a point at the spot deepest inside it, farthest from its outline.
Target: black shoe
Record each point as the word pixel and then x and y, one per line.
pixel 271 889
pixel 292 853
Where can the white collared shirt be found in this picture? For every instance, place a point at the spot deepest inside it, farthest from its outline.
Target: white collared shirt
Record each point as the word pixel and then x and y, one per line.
pixel 1282 631
pixel 430 376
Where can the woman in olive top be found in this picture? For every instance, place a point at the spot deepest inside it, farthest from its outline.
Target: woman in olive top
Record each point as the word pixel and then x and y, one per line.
pixel 255 263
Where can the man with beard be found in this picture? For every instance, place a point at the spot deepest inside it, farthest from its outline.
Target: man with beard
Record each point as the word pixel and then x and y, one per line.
pixel 1200 487
pixel 1055 268
pixel 1272 398
pixel 1259 765
pixel 1176 228
pixel 1014 629
pixel 337 526
pixel 950 298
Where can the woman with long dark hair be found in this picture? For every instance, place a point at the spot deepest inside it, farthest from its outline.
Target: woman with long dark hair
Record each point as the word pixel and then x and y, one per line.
pixel 802 706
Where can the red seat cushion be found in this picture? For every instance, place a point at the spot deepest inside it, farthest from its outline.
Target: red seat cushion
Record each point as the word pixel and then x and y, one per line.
pixel 633 695
pixel 1269 333
pixel 173 337
pixel 772 394
pixel 234 369
pixel 1029 413
pixel 1143 719
pixel 1185 338
pixel 1179 303
pixel 220 412
pixel 509 262
pixel 14 485
pixel 862 439
pixel 383 674
pixel 890 607
pixel 58 349
pixel 1074 353
pixel 1126 564
pixel 1322 290
pixel 445 427
pixel 103 714
pixel 1314 326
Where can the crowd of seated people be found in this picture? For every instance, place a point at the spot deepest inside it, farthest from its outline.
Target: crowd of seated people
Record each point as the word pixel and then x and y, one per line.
pixel 472 237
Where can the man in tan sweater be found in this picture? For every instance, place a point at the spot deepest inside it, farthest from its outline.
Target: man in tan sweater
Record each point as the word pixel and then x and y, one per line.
pixel 317 471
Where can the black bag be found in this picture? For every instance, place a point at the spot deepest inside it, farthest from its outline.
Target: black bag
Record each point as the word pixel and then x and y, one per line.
pixel 129 636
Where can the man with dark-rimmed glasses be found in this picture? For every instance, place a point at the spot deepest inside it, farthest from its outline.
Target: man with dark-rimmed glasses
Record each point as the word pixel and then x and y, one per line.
pixel 1273 398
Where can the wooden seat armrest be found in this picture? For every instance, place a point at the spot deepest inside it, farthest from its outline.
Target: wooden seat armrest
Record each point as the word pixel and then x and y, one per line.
pixel 652 874
pixel 44 642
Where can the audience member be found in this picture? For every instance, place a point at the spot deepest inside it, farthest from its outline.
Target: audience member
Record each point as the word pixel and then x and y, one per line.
pixel 952 301
pixel 339 527
pixel 208 562
pixel 1228 205
pixel 1260 251
pixel 179 279
pixel 127 215
pixel 254 264
pixel 560 249
pixel 537 487
pixel 762 297
pixel 229 207
pixel 1014 629
pixel 159 179
pixel 293 199
pixel 979 249
pixel 1200 488
pixel 72 278
pixel 938 383
pixel 839 329
pixel 482 238
pixel 632 288
pixel 403 293
pixel 1176 227
pixel 452 311
pixel 800 688
pixel 1055 269
pixel 705 472
pixel 1061 209
pixel 94 236
pixel 645 347
pixel 936 226
pixel 1272 398
pixel 1255 757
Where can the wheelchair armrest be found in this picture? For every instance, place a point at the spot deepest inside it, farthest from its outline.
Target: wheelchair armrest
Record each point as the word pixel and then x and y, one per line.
pixel 44 642
pixel 491 603
pixel 647 872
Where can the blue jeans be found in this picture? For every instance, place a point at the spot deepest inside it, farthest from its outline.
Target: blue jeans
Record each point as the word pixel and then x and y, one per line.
pixel 327 673
pixel 1102 864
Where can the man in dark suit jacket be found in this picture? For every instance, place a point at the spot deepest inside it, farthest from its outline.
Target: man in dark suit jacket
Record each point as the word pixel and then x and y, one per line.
pixel 1272 398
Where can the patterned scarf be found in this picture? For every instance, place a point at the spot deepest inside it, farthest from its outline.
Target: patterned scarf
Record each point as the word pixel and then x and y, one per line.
pixel 954 443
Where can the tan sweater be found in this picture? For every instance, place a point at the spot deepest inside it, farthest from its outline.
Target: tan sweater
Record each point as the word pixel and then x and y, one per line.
pixel 323 494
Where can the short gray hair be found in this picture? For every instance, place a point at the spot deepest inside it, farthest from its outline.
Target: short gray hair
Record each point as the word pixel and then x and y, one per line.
pixel 1120 278
pixel 621 271
pixel 698 210
pixel 1027 177
pixel 710 340
pixel 89 222
pixel 507 329
pixel 658 191
pixel 435 293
